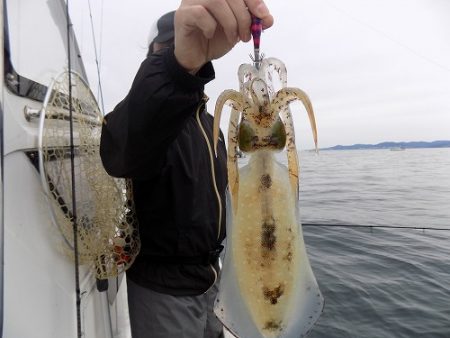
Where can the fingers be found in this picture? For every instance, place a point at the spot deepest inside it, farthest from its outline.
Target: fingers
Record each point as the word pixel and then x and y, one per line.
pixel 208 29
pixel 233 16
pixel 206 15
pixel 241 10
pixel 196 17
pixel 224 11
pixel 243 19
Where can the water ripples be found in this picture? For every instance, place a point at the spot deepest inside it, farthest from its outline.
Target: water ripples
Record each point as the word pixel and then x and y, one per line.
pixel 379 282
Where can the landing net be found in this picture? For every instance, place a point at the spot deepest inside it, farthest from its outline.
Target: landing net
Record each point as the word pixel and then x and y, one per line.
pixel 106 224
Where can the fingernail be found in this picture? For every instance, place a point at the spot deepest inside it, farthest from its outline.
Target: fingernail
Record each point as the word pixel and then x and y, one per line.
pixel 262 9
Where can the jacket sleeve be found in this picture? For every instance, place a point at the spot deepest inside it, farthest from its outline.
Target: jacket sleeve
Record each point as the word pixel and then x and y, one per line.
pixel 136 134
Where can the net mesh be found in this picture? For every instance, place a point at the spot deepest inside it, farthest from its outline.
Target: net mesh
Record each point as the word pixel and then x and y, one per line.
pixel 106 224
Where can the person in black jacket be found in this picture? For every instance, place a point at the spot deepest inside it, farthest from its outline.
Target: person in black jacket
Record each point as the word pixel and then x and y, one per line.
pixel 160 136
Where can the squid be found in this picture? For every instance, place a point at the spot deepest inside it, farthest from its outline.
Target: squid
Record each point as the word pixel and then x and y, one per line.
pixel 267 287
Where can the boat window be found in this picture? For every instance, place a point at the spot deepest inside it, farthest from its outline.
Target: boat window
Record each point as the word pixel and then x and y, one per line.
pixel 35 46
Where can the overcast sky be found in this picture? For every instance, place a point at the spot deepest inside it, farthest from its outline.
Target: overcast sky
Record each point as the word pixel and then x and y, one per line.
pixel 375 70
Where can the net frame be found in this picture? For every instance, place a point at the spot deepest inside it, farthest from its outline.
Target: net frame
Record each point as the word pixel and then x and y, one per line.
pixel 108 237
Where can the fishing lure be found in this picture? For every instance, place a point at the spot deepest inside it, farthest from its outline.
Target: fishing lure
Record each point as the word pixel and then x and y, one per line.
pixel 267 287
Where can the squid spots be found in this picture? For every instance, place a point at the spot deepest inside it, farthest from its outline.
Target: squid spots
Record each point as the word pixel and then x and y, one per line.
pixel 273 294
pixel 288 256
pixel 268 238
pixel 272 325
pixel 289 251
pixel 266 181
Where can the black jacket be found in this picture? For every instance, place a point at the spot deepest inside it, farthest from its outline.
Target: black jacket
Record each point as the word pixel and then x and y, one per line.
pixel 160 135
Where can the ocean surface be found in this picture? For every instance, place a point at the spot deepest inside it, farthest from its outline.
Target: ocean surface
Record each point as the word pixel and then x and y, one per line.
pixel 377 282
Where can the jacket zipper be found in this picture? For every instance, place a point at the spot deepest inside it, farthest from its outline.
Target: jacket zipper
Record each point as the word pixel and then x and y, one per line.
pixel 211 158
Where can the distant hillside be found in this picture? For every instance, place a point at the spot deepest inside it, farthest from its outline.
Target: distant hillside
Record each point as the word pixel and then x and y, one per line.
pixel 395 145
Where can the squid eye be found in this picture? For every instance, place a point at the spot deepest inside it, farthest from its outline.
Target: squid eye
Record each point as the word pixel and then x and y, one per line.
pixel 278 137
pixel 247 136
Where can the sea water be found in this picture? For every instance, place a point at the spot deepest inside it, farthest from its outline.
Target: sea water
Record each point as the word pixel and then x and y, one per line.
pixel 378 282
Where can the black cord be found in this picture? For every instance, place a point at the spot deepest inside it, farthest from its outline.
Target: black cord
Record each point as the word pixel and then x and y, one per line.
pixel 100 90
pixel 372 226
pixel 72 167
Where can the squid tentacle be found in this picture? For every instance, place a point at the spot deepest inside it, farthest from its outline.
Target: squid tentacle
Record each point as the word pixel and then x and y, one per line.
pixel 287 95
pixel 281 103
pixel 232 165
pixel 292 156
pixel 238 102
pixel 259 92
pixel 268 66
pixel 246 74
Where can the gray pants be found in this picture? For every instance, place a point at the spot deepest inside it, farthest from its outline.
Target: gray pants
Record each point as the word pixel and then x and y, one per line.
pixel 157 315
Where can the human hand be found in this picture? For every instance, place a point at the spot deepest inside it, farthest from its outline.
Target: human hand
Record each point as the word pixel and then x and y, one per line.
pixel 208 29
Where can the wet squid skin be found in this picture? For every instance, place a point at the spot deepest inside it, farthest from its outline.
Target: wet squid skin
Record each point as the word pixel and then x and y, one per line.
pixel 264 242
pixel 269 255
